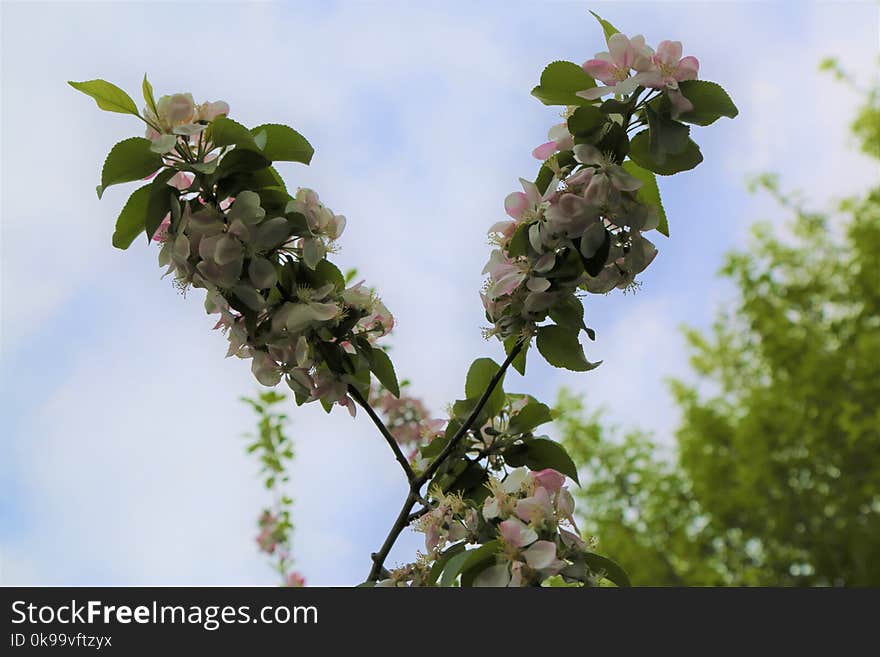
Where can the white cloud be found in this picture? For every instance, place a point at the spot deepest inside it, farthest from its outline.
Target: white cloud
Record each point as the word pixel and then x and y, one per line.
pixel 131 470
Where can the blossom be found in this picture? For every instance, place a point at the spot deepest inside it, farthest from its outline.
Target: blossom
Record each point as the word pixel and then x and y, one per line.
pixel 210 111
pixel 505 275
pixel 516 534
pixel 549 479
pixel 295 580
pixel 560 140
pixel 669 69
pixel 612 68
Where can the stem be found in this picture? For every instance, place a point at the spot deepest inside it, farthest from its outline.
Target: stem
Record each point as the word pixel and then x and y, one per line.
pixel 405 516
pixel 392 443
pixel 468 423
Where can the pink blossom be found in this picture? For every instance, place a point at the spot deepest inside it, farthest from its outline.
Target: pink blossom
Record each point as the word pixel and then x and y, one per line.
pixel 613 68
pixel 670 68
pixel 537 508
pixel 504 274
pixel 517 534
pixel 549 479
pixel 560 140
pixel 540 554
pixel 182 180
pixel 295 580
pixel 161 234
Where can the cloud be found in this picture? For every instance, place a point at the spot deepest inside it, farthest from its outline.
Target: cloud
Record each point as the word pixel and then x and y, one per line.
pixel 124 463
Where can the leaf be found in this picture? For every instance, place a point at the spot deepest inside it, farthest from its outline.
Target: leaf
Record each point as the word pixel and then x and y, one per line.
pixel 539 454
pixel 596 262
pixel 148 204
pixel 613 571
pixel 649 192
pixel 710 102
pixel 443 559
pixel 559 82
pixel 560 347
pixel 108 96
pixel 226 132
pixel 640 153
pixel 586 120
pixel 532 415
pixel 477 560
pixel 149 98
pixel 453 568
pixel 569 312
pixel 241 160
pixel 284 144
pixel 383 368
pixel 478 378
pixel 545 175
pixel 666 136
pixel 519 361
pixel 607 27
pixel 130 159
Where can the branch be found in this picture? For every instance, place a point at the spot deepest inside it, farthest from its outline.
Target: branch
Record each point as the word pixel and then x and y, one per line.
pixel 392 443
pixel 405 516
pixel 469 422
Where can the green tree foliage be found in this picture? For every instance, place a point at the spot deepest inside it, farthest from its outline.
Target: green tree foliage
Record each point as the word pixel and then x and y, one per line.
pixel 776 475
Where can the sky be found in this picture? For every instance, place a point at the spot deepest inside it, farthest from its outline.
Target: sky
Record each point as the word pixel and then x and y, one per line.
pixel 122 458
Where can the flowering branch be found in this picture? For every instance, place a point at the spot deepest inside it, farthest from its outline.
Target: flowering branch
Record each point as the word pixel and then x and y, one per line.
pixel 405 517
pixel 227 224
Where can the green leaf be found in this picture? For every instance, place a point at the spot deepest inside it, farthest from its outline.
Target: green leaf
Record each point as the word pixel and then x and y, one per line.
pixel 596 262
pixel 130 159
pixel 284 144
pixel 108 96
pixel 545 175
pixel 477 560
pixel 532 415
pixel 443 559
pixel 710 102
pixel 649 192
pixel 519 361
pixel 666 136
pixel 453 568
pixel 147 205
pixel 607 27
pixel 241 160
pixel 613 571
pixel 640 152
pixel 519 241
pixel 226 132
pixel 540 453
pixel 149 98
pixel 383 368
pixel 559 82
pixel 560 347
pixel 478 378
pixel 569 312
pixel 586 120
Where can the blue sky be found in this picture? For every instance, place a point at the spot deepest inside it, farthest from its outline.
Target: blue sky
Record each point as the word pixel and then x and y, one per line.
pixel 121 458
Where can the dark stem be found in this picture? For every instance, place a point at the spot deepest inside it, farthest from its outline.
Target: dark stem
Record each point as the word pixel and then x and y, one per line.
pixel 392 443
pixel 405 516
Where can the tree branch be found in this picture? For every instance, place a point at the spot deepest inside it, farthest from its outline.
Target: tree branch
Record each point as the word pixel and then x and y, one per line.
pixel 405 516
pixel 392 443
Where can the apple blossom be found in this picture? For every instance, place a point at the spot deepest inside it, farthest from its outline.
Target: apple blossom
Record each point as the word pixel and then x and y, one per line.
pixel 612 67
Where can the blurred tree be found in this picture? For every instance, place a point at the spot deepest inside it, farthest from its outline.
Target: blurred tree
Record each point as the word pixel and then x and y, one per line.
pixel 776 476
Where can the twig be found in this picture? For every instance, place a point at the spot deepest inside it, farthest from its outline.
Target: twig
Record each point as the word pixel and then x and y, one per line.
pixel 404 517
pixel 392 443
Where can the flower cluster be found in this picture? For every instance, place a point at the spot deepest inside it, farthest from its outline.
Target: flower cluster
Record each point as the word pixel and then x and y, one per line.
pixel 277 306
pixel 526 523
pixel 629 63
pixel 279 301
pixel 583 232
pixel 408 419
